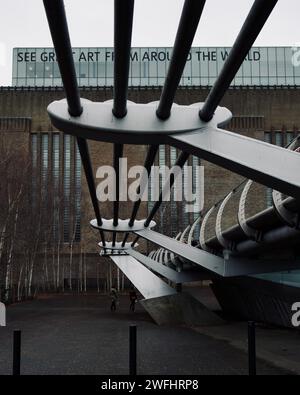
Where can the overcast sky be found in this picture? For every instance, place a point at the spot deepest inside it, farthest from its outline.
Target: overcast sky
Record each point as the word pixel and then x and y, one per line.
pixel 23 24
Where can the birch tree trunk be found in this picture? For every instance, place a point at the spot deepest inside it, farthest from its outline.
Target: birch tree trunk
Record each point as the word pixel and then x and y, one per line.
pixel 9 260
pixel 110 277
pixel 20 282
pixel 70 266
pixel 118 279
pixel 46 274
pixel 85 272
pixel 2 238
pixel 53 268
pixel 58 266
pixel 33 255
pixel 80 272
pixel 123 281
pixel 97 274
pixel 63 276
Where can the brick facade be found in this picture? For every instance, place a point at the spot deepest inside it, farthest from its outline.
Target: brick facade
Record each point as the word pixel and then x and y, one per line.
pixel 256 111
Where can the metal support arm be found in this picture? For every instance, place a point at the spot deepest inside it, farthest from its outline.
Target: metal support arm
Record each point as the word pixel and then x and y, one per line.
pixel 264 163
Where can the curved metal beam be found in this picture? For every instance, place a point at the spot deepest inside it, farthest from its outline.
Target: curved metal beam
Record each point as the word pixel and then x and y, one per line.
pixel 227 244
pixel 287 216
pixel 156 254
pixel 159 258
pixel 151 254
pixel 183 236
pixel 192 231
pixel 252 234
pixel 202 230
pixel 167 258
pixel 172 254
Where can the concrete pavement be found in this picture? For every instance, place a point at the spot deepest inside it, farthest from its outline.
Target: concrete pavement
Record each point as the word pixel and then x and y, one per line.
pixel 72 334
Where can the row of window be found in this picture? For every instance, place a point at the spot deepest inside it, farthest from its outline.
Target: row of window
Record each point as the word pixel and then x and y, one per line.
pixel 57 175
pixel 94 66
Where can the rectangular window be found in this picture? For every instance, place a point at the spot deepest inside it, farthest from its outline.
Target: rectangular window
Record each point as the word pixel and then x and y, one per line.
pixel 56 188
pixel 185 215
pixel 44 174
pixel 268 139
pixel 77 195
pixel 67 187
pixel 56 181
pixel 174 204
pixel 279 139
pixel 34 158
pixel 281 68
pixel 196 186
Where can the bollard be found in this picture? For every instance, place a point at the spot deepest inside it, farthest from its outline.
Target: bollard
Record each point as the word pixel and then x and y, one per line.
pixel 252 348
pixel 17 353
pixel 132 350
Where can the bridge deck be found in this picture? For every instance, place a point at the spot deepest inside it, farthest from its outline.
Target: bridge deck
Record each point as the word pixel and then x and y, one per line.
pixel 148 284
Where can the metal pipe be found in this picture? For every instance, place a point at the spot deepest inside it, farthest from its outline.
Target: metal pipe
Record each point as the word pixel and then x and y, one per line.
pixel 123 33
pixel 254 23
pixel 261 221
pixel 58 25
pixel 190 17
pixel 118 153
pixel 270 240
pixel 87 165
pixel 125 239
pixel 135 241
pixel 148 164
pixel 114 239
pixel 179 163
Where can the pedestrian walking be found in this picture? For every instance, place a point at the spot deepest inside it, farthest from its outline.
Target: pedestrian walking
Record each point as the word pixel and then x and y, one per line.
pixel 133 299
pixel 114 299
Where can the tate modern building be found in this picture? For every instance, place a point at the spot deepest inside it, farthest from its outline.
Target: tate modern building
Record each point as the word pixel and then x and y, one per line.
pixel 264 98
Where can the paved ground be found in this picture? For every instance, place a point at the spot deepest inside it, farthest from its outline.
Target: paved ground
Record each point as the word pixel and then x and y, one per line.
pixel 280 346
pixel 79 335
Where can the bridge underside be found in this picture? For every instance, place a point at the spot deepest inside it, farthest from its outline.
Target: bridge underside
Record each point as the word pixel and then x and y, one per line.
pixel 163 303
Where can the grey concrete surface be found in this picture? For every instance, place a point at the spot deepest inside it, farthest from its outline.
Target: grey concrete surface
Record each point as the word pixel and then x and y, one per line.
pixel 180 309
pixel 73 334
pixel 281 347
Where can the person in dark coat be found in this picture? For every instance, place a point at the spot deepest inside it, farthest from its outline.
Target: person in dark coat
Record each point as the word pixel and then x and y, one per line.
pixel 114 299
pixel 133 299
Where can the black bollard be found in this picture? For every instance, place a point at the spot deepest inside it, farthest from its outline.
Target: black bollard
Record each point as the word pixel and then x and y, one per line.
pixel 132 350
pixel 17 353
pixel 252 348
